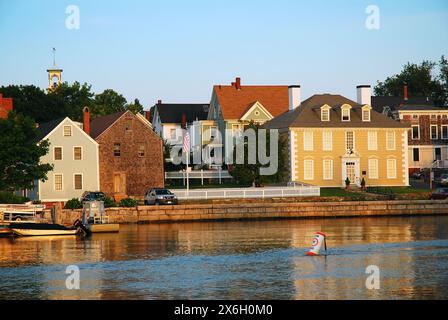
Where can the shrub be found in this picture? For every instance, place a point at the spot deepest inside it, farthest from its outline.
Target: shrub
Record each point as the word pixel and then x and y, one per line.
pixel 128 203
pixel 7 197
pixel 109 203
pixel 73 204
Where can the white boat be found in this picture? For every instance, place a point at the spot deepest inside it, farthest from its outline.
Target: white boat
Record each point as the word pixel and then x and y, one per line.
pixel 42 229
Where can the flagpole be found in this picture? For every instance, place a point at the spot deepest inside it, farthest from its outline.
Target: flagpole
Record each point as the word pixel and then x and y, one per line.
pixel 188 160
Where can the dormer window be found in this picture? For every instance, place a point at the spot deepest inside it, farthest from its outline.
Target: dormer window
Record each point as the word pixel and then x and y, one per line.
pixel 366 113
pixel 325 113
pixel 345 112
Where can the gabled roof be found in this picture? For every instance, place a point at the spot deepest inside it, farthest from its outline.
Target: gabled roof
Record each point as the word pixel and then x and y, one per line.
pixel 396 103
pixel 308 115
pixel 421 107
pixel 45 128
pixel 172 112
pixel 100 124
pixel 236 102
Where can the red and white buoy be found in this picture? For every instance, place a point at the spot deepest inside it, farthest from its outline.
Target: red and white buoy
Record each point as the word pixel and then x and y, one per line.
pixel 318 241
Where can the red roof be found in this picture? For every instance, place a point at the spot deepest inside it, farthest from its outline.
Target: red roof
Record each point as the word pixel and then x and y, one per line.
pixel 235 103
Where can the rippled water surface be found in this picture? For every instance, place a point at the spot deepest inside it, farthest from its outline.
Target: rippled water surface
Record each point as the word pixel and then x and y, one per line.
pixel 235 260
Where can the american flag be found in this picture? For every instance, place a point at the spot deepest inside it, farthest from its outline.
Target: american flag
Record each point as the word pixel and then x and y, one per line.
pixel 186 146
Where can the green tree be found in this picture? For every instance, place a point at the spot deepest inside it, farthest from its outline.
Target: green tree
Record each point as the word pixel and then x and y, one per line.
pixel 108 102
pixel 422 80
pixel 20 153
pixel 135 107
pixel 250 173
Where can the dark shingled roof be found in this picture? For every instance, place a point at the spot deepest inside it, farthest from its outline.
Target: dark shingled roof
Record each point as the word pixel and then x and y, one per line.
pixel 307 115
pixel 396 103
pixel 100 124
pixel 420 107
pixel 172 113
pixel 47 127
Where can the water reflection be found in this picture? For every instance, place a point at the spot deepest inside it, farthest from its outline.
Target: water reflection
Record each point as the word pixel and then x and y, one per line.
pixel 235 260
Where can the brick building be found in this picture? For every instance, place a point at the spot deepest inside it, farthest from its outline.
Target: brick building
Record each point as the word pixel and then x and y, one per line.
pixel 130 153
pixel 5 106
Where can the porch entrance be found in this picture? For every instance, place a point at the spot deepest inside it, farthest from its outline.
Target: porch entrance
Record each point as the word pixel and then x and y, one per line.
pixel 350 169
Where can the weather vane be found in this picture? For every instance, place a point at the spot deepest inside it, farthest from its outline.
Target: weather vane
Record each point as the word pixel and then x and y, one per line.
pixel 54 57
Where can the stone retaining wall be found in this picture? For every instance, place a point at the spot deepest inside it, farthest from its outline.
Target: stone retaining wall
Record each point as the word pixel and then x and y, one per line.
pixel 196 212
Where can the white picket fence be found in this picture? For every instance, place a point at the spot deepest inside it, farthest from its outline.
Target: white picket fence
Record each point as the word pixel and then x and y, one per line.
pixel 248 193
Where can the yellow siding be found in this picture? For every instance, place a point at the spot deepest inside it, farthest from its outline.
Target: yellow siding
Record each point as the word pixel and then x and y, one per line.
pixel 361 148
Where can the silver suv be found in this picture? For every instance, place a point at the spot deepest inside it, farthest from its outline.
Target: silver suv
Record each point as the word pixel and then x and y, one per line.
pixel 160 196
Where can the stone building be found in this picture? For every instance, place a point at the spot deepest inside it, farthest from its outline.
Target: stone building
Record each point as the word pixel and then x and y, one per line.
pixel 130 153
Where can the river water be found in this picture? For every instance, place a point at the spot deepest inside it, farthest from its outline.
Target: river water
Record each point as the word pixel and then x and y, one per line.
pixel 235 260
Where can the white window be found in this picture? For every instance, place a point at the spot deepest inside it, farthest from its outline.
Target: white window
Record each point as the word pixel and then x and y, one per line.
pixel 372 140
pixel 308 170
pixel 58 182
pixel 325 114
pixel 391 169
pixel 328 169
pixel 390 140
pixel 77 181
pixel 67 131
pixel 308 141
pixel 365 115
pixel 350 141
pixel 77 153
pixel 345 114
pixel 416 132
pixel 327 141
pixel 444 131
pixel 434 132
pixel 173 134
pixel 373 168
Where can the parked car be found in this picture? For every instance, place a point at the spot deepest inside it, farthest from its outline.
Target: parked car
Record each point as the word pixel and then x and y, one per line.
pixel 440 194
pixel 442 180
pixel 418 175
pixel 93 196
pixel 160 196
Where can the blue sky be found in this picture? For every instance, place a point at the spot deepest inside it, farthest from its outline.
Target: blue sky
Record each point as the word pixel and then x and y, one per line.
pixel 176 50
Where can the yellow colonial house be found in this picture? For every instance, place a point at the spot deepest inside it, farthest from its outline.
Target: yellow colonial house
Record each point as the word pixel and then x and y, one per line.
pixel 332 138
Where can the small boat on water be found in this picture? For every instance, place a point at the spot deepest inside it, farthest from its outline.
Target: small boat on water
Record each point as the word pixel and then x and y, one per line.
pixel 42 229
pixel 5 231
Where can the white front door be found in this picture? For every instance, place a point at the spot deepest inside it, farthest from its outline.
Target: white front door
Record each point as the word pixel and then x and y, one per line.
pixel 350 169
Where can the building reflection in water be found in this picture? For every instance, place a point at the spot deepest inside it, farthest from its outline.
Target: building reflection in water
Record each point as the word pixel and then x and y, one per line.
pixel 263 259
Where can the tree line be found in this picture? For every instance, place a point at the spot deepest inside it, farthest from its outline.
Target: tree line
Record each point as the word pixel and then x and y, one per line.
pixel 66 101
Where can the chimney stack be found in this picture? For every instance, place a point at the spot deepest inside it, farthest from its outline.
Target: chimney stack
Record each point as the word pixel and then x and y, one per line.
pixel 86 122
pixel 184 121
pixel 238 83
pixel 405 93
pixel 148 115
pixel 294 93
pixel 364 95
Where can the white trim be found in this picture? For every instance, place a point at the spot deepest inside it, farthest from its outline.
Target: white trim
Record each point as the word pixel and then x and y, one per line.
pixel 330 140
pixel 346 107
pixel 331 174
pixel 307 177
pixel 82 153
pixel 354 145
pixel 62 153
pixel 71 130
pixel 388 168
pixel 54 181
pixel 372 146
pixel 82 181
pixel 307 147
pixel 376 167
pixel 412 131
pixel 437 132
pixel 443 137
pixel 261 107
pixel 292 155
pixel 394 140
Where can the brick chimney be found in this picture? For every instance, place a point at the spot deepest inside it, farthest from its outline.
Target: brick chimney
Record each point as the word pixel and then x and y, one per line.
pixel 238 83
pixel 405 93
pixel 184 121
pixel 86 122
pixel 148 115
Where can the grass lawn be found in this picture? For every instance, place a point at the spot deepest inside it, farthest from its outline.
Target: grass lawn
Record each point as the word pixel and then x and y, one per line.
pixel 337 192
pixel 401 190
